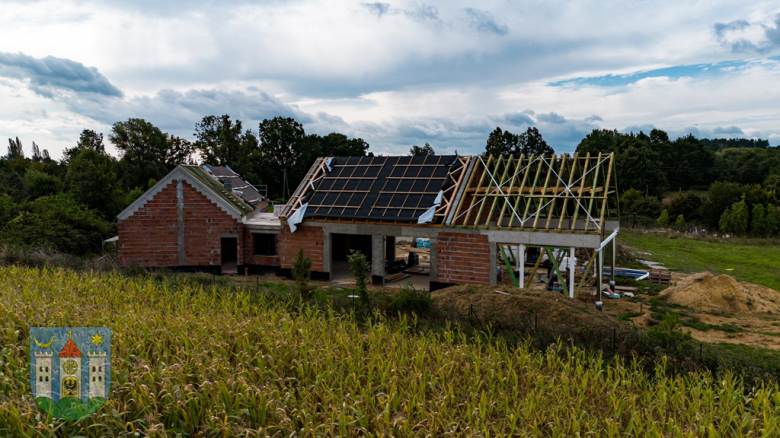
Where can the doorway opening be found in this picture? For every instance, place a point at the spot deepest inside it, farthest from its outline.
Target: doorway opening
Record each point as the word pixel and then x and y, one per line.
pixel 229 253
pixel 342 246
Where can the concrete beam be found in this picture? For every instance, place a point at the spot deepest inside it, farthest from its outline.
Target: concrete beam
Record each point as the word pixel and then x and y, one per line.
pixel 538 238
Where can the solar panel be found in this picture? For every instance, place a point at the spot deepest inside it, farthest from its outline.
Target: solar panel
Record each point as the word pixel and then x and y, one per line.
pixel 380 188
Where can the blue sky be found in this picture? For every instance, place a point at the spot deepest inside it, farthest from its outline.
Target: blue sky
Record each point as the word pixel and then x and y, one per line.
pixel 394 73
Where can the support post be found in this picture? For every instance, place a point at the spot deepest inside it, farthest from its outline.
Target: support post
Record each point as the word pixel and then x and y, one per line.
pixel 378 260
pixel 614 250
pixel 601 273
pixel 572 269
pixel 493 264
pixel 521 264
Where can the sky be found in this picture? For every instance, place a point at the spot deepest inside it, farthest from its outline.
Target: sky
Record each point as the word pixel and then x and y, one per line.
pixel 394 73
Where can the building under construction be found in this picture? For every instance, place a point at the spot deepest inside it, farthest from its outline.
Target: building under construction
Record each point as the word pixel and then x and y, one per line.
pixel 488 219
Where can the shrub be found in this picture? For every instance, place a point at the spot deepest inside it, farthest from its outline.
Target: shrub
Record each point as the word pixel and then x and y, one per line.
pixel 412 300
pixel 772 220
pixel 664 219
pixel 680 223
pixel 301 271
pixel 758 221
pixel 358 264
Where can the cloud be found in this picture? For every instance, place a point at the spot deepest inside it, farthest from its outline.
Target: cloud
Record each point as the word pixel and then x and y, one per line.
pixel 46 76
pixel 551 118
pixel 742 36
pixel 593 118
pixel 484 21
pixel 377 8
pixel 520 118
pixel 731 130
pixel 424 12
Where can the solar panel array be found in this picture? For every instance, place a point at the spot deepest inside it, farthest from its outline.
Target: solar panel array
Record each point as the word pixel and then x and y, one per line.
pixel 381 188
pixel 227 176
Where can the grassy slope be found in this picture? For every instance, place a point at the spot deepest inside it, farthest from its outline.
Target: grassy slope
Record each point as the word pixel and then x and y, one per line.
pixel 759 264
pixel 220 363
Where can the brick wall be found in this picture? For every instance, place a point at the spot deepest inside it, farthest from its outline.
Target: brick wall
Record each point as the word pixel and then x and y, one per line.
pixel 150 235
pixel 463 258
pixel 308 237
pixel 249 253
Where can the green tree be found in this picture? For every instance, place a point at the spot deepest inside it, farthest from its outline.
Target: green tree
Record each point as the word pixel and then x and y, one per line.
pixel 282 143
pixel 532 143
pixel 758 221
pixel 88 140
pixel 60 222
pixel 358 265
pixel 39 184
pixel 724 224
pixel 680 223
pixel 772 220
pixel 663 221
pixel 147 152
pixel 423 151
pixel 529 143
pixel 738 220
pixel 222 142
pixel 15 149
pixel 92 181
pixel 720 196
pixel 301 271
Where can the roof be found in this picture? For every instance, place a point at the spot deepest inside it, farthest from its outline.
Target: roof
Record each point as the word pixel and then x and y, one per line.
pixel 70 350
pixel 243 189
pixel 216 186
pixel 381 188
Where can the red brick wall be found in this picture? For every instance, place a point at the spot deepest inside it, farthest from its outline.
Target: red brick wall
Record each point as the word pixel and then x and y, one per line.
pixel 249 253
pixel 150 236
pixel 310 238
pixel 463 258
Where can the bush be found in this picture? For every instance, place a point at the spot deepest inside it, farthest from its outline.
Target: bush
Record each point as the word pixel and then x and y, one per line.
pixel 680 223
pixel 772 220
pixel 664 219
pixel 736 219
pixel 412 300
pixel 301 272
pixel 758 221
pixel 358 264
pixel 58 222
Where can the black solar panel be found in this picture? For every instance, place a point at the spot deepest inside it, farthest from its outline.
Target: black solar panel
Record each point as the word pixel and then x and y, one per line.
pixel 381 188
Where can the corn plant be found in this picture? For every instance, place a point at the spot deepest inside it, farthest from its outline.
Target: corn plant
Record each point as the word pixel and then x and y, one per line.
pixel 198 361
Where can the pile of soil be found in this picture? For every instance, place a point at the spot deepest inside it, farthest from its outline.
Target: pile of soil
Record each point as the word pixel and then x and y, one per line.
pixel 723 294
pixel 522 308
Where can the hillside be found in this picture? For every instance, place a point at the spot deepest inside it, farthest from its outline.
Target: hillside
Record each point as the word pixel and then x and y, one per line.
pixel 223 362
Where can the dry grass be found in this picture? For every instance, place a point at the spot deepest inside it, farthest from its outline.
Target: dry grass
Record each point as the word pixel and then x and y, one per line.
pixel 190 361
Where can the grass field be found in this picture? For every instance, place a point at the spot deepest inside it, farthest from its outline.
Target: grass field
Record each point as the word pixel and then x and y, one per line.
pixel 218 362
pixel 757 263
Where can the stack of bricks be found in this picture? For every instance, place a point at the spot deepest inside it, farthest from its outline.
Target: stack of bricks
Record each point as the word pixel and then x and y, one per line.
pixel 307 237
pixel 150 236
pixel 463 258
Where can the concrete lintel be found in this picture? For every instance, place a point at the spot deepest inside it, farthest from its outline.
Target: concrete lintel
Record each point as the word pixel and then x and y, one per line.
pixel 373 229
pixel 545 239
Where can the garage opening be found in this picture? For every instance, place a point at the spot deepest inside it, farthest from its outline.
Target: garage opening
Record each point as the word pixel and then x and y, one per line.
pixel 229 251
pixel 408 261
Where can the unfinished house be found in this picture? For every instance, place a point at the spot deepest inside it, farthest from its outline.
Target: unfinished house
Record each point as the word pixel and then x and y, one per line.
pixel 486 219
pixel 195 219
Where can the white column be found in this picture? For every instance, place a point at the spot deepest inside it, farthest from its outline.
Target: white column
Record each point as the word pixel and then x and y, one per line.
pixel 572 268
pixel 613 258
pixel 601 273
pixel 521 264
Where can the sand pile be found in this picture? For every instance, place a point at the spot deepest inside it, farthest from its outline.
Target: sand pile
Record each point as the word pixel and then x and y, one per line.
pixel 521 308
pixel 722 294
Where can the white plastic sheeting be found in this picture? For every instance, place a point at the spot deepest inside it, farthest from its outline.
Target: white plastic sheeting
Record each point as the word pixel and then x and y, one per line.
pixel 297 217
pixel 428 215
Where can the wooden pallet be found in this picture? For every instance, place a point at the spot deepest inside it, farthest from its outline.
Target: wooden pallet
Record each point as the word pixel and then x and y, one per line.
pixel 663 278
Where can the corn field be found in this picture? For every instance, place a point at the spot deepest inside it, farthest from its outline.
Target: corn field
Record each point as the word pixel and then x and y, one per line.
pixel 189 361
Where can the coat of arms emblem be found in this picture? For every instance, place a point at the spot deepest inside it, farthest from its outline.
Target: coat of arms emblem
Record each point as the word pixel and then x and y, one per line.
pixel 70 369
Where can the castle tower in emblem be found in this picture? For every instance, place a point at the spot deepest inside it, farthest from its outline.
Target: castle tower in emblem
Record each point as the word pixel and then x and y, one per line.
pixel 43 373
pixel 97 369
pixel 70 359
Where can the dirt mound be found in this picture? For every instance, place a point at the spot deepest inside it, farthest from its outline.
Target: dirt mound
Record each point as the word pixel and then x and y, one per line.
pixel 522 308
pixel 722 294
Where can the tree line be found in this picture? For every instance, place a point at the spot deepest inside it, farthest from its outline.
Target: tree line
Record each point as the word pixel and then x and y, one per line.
pixel 72 203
